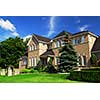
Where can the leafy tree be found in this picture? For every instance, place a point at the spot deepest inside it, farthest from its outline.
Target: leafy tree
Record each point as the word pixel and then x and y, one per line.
pixel 68 57
pixel 10 51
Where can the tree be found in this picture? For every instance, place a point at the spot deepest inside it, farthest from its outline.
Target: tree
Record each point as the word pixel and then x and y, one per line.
pixel 68 57
pixel 11 50
pixel 93 59
pixel 50 68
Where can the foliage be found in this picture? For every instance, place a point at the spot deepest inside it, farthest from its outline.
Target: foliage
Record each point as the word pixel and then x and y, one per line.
pixel 50 68
pixel 10 51
pixel 68 57
pixel 88 76
pixel 92 69
pixel 98 63
pixel 29 71
pixel 93 59
pixel 25 71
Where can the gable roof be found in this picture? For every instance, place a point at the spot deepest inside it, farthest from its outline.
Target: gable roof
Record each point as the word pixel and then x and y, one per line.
pixel 62 34
pixel 41 38
pixel 47 53
pixel 96 46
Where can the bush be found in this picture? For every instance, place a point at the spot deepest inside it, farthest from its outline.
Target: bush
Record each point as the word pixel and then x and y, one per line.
pixel 92 69
pixel 25 71
pixel 88 76
pixel 50 68
pixel 29 71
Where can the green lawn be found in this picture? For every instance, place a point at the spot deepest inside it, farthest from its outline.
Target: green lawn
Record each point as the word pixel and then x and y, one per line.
pixel 36 78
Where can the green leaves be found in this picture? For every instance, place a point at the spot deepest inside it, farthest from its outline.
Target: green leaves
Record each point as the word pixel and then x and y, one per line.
pixel 11 50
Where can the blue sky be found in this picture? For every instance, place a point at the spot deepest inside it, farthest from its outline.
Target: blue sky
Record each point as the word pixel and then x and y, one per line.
pixel 48 26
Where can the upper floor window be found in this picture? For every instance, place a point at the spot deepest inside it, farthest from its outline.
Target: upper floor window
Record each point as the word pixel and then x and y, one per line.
pixel 73 41
pixel 78 40
pixel 82 39
pixel 32 47
pixel 57 44
pixel 62 43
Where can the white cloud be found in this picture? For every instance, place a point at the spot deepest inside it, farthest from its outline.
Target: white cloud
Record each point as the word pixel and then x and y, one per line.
pixel 51 25
pixel 83 28
pixel 28 36
pixel 7 25
pixel 15 34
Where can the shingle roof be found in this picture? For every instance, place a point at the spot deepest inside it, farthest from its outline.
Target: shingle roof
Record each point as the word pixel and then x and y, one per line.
pixel 47 53
pixel 41 38
pixel 62 33
pixel 96 46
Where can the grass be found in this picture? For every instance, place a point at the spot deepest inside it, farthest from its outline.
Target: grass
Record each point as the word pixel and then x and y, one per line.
pixel 36 78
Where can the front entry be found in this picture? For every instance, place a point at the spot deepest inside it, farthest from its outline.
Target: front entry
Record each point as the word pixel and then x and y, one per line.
pixel 44 61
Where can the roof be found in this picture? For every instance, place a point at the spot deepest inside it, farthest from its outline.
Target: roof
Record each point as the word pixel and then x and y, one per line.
pixel 41 38
pixel 47 53
pixel 80 32
pixel 85 32
pixel 62 34
pixel 96 46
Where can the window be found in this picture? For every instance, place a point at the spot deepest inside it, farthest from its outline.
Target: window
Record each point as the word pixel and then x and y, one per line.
pixel 57 44
pixel 33 61
pixel 80 60
pixel 30 48
pixel 82 39
pixel 73 41
pixel 30 62
pixel 62 43
pixel 84 58
pixel 25 61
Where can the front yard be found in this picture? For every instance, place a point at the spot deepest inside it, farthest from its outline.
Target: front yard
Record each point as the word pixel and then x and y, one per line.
pixel 36 78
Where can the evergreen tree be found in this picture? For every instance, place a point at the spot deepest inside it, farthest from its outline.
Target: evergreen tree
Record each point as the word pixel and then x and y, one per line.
pixel 68 57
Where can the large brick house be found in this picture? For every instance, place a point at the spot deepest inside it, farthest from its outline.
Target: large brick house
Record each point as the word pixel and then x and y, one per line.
pixel 42 48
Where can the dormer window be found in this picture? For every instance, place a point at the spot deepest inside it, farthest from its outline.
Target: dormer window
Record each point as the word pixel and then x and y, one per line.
pixel 57 44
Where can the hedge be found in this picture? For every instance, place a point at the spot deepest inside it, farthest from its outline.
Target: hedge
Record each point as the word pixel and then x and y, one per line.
pixel 92 69
pixel 88 76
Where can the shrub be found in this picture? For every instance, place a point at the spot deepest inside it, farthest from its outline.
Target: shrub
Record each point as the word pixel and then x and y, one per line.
pixel 88 76
pixel 93 59
pixel 29 71
pixel 92 69
pixel 25 71
pixel 98 62
pixel 50 68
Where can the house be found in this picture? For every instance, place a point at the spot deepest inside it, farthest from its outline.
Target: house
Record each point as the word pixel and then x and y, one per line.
pixel 41 48
pixel 96 49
